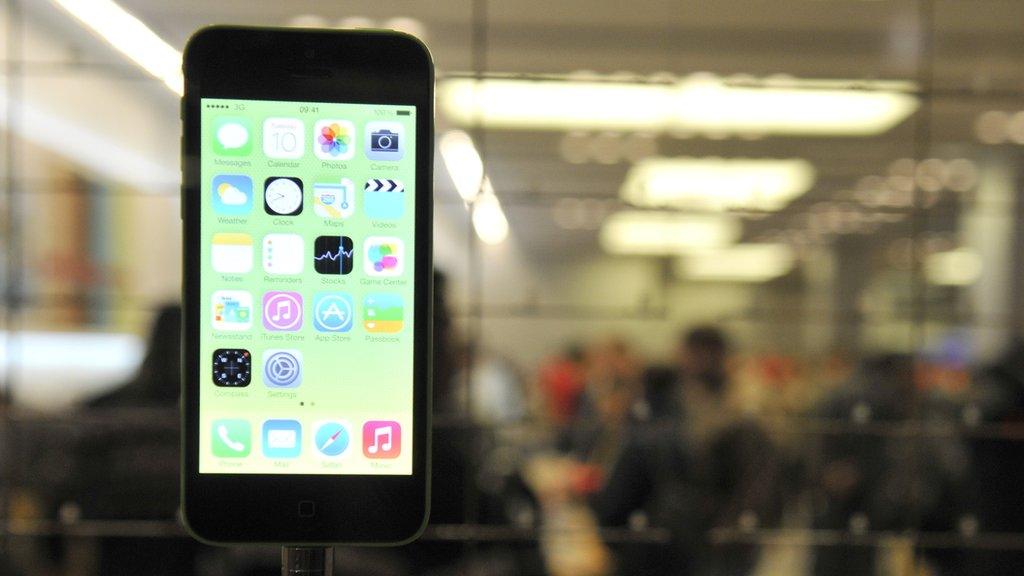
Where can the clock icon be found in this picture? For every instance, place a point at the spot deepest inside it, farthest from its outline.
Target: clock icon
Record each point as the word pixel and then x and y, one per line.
pixel 232 367
pixel 282 196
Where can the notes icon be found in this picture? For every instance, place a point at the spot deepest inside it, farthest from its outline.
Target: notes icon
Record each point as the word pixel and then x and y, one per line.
pixel 231 253
pixel 382 439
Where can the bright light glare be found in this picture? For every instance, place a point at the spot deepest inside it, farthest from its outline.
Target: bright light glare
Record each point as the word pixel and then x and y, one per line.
pixel 489 219
pixel 716 183
pixel 740 263
pixel 463 163
pixel 90 150
pixel 666 233
pixel 131 37
pixel 60 368
pixel 960 267
pixel 693 104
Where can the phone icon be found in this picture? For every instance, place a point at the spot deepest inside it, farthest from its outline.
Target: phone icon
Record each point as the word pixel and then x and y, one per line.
pixel 383 313
pixel 334 199
pixel 231 253
pixel 334 139
pixel 282 438
pixel 232 194
pixel 232 310
pixel 383 256
pixel 231 438
pixel 232 136
pixel 382 439
pixel 332 254
pixel 283 138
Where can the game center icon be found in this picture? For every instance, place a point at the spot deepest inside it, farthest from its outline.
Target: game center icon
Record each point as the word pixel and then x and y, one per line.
pixel 383 256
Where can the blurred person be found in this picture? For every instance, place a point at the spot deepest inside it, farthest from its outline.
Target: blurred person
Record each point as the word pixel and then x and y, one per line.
pixel 562 380
pixel 130 472
pixel 461 448
pixel 157 384
pixel 692 469
pixel 881 480
pixel 612 386
pixel 492 390
pixel 997 400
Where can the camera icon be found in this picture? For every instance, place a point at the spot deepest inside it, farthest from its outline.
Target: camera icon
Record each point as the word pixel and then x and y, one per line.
pixel 385 141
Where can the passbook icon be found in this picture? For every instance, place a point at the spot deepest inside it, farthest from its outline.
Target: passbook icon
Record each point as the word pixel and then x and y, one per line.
pixel 382 439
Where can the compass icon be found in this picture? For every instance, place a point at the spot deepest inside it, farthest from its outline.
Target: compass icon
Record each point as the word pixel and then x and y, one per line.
pixel 232 367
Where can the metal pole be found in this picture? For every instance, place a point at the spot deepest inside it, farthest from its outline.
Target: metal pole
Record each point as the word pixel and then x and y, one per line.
pixel 307 561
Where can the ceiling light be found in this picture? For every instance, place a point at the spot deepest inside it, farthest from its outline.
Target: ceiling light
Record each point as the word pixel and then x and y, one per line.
pixel 489 219
pixel 699 103
pixel 739 263
pixel 666 233
pixel 131 37
pixel 960 267
pixel 463 163
pixel 717 184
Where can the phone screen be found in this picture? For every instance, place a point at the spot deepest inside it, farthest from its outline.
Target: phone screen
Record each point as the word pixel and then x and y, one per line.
pixel 306 287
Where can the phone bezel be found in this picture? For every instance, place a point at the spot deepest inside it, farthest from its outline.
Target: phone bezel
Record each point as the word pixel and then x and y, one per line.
pixel 306 66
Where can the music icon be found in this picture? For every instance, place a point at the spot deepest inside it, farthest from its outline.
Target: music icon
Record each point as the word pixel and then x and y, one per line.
pixel 382 439
pixel 282 311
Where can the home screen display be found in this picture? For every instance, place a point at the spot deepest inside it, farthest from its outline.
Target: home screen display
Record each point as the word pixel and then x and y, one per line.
pixel 306 287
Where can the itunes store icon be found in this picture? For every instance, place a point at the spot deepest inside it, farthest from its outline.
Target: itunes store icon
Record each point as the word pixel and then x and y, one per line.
pixel 382 439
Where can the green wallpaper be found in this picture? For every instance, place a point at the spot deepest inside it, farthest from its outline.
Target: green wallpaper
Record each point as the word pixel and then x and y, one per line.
pixel 307 280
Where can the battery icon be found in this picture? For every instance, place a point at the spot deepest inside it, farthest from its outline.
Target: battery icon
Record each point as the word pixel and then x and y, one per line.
pixel 403 112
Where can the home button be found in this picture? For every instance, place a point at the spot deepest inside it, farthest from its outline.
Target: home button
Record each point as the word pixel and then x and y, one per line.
pixel 307 509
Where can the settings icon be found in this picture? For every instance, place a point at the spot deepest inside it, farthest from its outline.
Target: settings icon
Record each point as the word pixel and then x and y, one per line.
pixel 282 368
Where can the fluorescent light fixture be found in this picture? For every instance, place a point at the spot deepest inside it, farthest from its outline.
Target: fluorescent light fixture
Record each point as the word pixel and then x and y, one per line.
pixel 463 163
pixel 960 267
pixel 92 151
pixel 739 263
pixel 716 183
pixel 698 103
pixel 489 219
pixel 467 171
pixel 131 37
pixel 666 233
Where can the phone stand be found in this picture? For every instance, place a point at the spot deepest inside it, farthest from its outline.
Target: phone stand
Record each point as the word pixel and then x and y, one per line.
pixel 307 561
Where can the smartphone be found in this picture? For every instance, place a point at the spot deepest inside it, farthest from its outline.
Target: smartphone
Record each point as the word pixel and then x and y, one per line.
pixel 307 209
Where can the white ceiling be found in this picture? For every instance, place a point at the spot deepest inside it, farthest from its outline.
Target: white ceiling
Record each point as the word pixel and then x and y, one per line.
pixel 976 54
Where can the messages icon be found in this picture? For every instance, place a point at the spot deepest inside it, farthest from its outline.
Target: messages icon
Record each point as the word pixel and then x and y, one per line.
pixel 232 136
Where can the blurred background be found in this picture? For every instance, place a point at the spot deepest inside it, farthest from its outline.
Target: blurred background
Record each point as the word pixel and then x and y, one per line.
pixel 725 288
